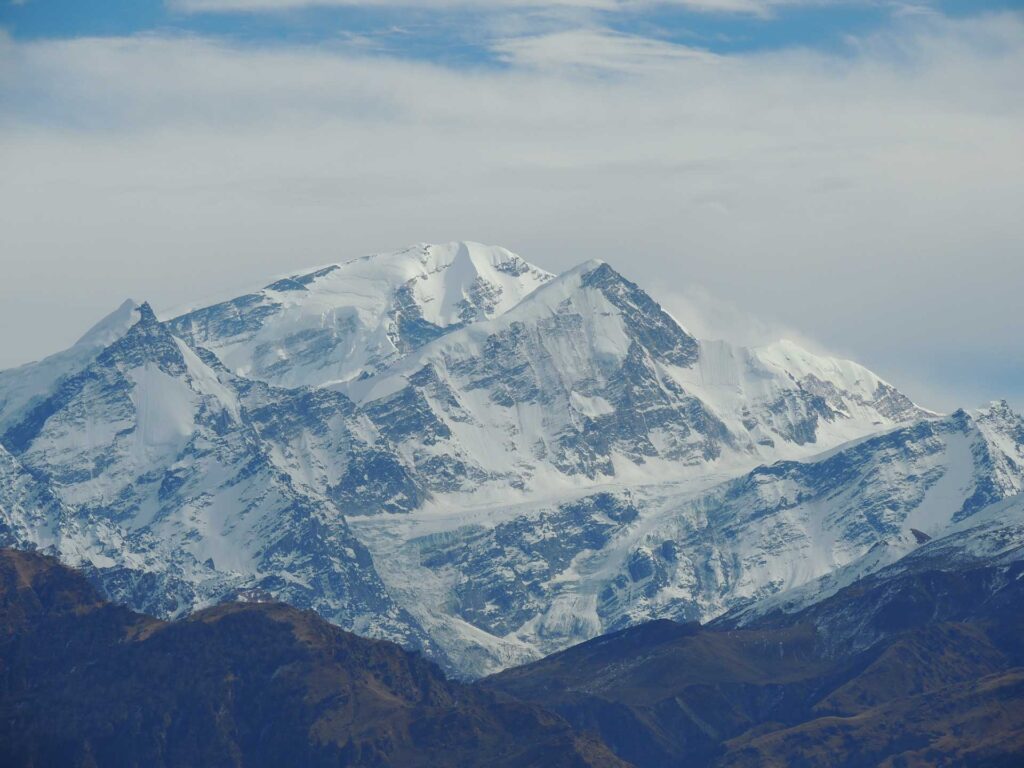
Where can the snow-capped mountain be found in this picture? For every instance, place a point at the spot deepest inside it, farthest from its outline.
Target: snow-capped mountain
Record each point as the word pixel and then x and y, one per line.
pixel 539 577
pixel 449 447
pixel 30 513
pixel 343 321
pixel 785 525
pixel 166 489
pixel 588 377
pixel 20 387
pixel 992 538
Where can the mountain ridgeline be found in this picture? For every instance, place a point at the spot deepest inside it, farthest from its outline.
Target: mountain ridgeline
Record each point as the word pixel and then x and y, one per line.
pixel 449 448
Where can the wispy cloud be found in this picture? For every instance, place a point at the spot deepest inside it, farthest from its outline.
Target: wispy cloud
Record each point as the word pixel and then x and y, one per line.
pixel 870 198
pixel 255 6
pixel 757 7
pixel 595 49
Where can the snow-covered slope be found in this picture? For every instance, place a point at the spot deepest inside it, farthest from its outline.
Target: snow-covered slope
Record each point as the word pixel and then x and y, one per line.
pixel 788 524
pixel 589 380
pixel 965 517
pixel 536 577
pixel 345 320
pixel 994 536
pixel 181 499
pixel 783 390
pixel 21 387
pixel 31 515
pixel 453 449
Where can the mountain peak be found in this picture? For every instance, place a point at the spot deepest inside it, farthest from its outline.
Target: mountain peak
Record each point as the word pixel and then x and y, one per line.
pixel 591 265
pixel 652 325
pixel 146 341
pixel 351 319
pixel 465 256
pixel 21 388
pixel 479 255
pixel 112 327
pixel 999 409
pixel 146 313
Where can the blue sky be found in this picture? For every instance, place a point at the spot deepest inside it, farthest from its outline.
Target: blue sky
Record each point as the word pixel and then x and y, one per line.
pixel 846 173
pixel 460 32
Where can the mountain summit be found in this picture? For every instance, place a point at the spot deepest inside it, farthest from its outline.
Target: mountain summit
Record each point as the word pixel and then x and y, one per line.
pixel 346 320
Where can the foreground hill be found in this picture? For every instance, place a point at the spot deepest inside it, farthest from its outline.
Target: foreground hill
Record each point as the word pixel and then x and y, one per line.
pixel 83 682
pixel 919 663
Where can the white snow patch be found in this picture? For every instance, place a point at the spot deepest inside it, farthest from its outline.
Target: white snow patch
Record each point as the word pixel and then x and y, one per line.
pixel 165 408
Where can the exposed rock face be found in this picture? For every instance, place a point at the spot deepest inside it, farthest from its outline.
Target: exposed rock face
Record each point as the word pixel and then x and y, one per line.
pixel 505 573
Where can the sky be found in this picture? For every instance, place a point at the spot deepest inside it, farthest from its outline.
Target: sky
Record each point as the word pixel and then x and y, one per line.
pixel 846 173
